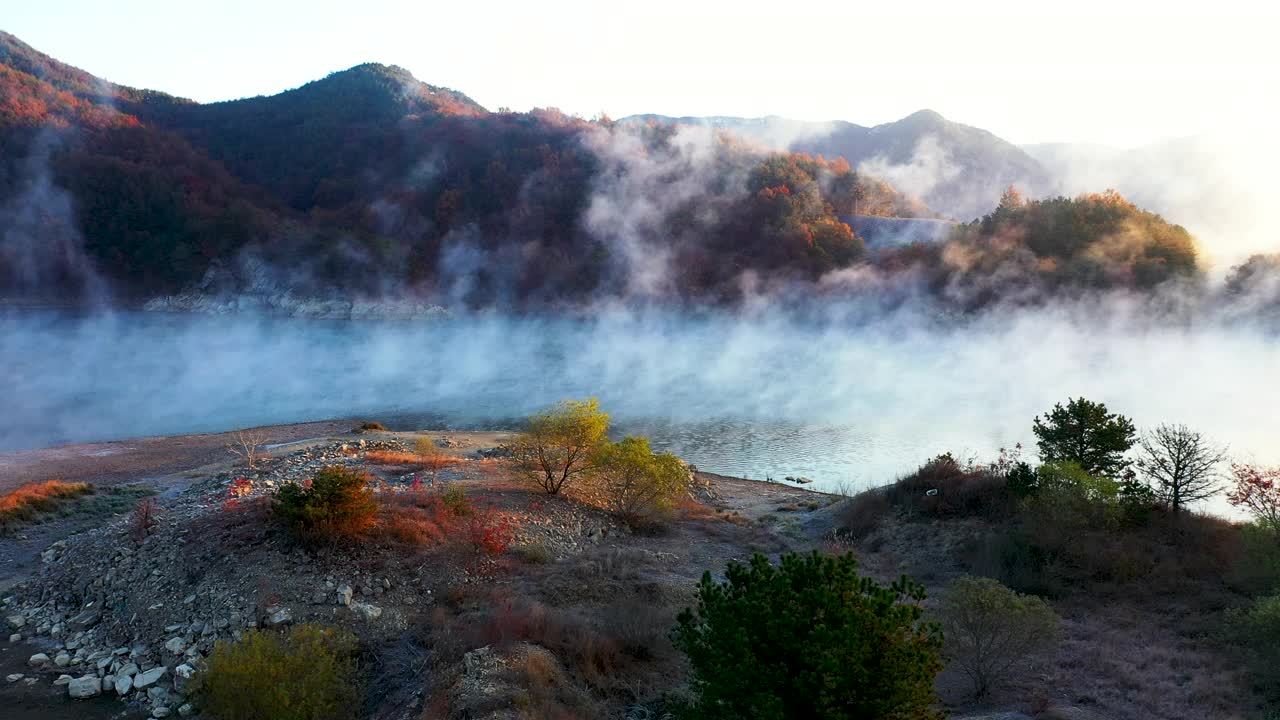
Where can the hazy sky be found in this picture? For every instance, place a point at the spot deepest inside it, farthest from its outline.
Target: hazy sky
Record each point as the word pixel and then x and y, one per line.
pixel 1115 72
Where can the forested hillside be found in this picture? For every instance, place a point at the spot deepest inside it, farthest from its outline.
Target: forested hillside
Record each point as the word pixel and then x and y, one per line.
pixel 371 184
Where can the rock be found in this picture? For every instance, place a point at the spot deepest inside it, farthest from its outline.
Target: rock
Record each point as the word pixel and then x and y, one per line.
pixel 86 619
pixel 38 659
pixel 160 711
pixel 17 622
pixel 186 710
pixel 84 687
pixel 16 637
pixel 62 660
pixel 128 670
pixel 277 616
pixel 144 679
pixel 1069 712
pixel 62 680
pixel 366 611
pixel 184 671
pixel 158 695
pixel 124 684
pixel 14 677
pixel 344 595
pixel 176 645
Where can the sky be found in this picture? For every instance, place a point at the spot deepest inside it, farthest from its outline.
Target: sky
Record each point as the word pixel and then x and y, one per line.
pixel 1116 73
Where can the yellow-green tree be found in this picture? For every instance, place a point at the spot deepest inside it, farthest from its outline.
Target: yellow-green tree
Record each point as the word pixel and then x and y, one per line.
pixel 559 443
pixel 637 484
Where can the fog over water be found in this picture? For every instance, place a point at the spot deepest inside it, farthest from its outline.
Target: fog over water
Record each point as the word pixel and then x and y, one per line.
pixel 841 401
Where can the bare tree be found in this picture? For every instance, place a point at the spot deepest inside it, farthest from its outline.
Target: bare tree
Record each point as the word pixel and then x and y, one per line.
pixel 1180 465
pixel 248 444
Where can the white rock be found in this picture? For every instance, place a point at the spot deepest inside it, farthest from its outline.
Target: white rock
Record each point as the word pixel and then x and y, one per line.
pixel 149 677
pixel 176 645
pixel 160 711
pixel 124 684
pixel 84 687
pixel 17 622
pixel 277 616
pixel 38 659
pixel 367 611
pixel 184 671
pixel 344 595
pixel 62 680
pixel 62 660
pixel 16 637
pixel 186 710
pixel 14 677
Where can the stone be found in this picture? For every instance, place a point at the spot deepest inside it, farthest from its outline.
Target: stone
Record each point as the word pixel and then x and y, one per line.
pixel 160 711
pixel 62 660
pixel 17 622
pixel 145 679
pixel 367 611
pixel 38 659
pixel 277 616
pixel 128 670
pixel 186 710
pixel 15 677
pixel 16 637
pixel 344 595
pixel 84 687
pixel 158 695
pixel 123 685
pixel 86 619
pixel 176 645
pixel 62 680
pixel 184 671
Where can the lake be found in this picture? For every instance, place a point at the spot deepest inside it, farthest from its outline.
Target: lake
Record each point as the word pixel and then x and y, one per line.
pixel 847 402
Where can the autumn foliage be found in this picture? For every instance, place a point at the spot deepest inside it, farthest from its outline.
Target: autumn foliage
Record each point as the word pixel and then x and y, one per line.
pixel 1257 490
pixel 26 502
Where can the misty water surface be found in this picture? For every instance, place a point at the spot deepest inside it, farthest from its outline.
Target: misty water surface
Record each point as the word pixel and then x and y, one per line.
pixel 838 401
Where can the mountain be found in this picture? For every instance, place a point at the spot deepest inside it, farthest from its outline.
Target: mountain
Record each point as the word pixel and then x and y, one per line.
pixel 370 184
pixel 955 169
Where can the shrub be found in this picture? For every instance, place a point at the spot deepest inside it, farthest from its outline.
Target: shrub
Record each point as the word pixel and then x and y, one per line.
pixel 943 487
pixel 861 515
pixel 640 486
pixel 808 638
pixel 26 502
pixel 1069 499
pixel 335 505
pixel 145 518
pixel 1022 480
pixel 1257 630
pixel 370 427
pixel 1256 567
pixel 990 629
pixel 307 673
pixel 391 457
pixel 455 500
pixel 558 443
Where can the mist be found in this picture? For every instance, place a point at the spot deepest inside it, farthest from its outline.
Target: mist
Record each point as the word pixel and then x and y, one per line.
pixel 755 393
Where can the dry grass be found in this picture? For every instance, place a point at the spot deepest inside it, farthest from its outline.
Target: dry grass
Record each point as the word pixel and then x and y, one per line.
pixel 27 502
pixel 390 457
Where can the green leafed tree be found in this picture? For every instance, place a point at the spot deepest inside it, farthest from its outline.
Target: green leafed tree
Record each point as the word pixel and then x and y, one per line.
pixel 1085 433
pixel 808 638
pixel 637 484
pixel 559 443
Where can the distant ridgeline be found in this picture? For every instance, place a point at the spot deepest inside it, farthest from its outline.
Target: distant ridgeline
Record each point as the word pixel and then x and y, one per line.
pixel 371 184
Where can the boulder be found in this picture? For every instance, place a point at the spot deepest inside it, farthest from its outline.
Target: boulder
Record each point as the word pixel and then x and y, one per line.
pixel 62 680
pixel 277 616
pixel 17 622
pixel 344 594
pixel 124 684
pixel 84 687
pixel 366 611
pixel 176 645
pixel 15 677
pixel 16 637
pixel 38 659
pixel 148 678
pixel 62 660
